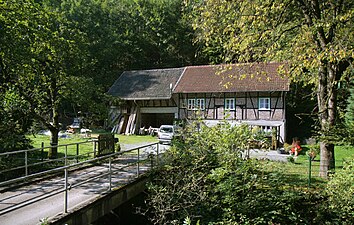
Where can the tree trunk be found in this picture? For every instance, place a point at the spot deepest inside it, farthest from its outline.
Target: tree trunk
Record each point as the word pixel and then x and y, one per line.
pixel 53 152
pixel 54 128
pixel 327 103
pixel 327 158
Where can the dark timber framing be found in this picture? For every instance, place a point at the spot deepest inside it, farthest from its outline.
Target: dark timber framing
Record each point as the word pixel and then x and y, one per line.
pixel 245 102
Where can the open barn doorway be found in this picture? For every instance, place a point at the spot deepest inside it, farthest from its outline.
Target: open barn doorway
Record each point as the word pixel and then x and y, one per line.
pixel 156 119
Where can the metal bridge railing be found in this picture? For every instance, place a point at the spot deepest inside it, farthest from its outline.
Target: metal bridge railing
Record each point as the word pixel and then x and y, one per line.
pixel 139 159
pixel 19 163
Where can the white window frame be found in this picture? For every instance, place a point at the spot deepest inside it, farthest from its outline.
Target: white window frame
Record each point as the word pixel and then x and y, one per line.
pixel 196 104
pixel 264 104
pixel 230 104
pixel 190 103
pixel 200 103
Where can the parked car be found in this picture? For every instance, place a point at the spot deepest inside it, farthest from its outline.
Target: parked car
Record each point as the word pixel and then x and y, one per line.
pixel 166 133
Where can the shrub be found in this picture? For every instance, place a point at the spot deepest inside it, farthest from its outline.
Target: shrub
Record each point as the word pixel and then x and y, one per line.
pixel 340 191
pixel 206 179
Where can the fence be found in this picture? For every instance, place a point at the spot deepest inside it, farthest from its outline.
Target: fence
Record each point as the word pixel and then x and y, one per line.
pixel 22 165
pixel 137 160
pixel 306 172
pixel 25 163
pixel 311 168
pixel 300 171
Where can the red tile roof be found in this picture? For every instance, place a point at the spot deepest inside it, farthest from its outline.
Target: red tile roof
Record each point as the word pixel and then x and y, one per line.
pixel 233 78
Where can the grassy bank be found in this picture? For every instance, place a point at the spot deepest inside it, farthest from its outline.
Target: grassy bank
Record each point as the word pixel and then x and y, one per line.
pixel 84 148
pixel 37 140
pixel 299 172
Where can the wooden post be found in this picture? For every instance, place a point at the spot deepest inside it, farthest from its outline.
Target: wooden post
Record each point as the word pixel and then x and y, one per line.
pixel 42 152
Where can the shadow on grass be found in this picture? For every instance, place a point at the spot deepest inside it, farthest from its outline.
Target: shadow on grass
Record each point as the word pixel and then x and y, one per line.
pixel 292 175
pixel 14 166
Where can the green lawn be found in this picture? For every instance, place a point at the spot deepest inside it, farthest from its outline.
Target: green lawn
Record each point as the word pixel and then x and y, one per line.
pixel 78 148
pixel 297 173
pixel 124 139
pixel 132 139
pixel 84 148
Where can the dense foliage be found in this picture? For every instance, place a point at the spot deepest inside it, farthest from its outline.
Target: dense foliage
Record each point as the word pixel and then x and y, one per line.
pixel 314 37
pixel 207 178
pixel 340 191
pixel 14 123
pixel 125 35
pixel 60 57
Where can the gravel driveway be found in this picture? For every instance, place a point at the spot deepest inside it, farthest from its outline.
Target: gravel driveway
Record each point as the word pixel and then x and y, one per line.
pixel 271 155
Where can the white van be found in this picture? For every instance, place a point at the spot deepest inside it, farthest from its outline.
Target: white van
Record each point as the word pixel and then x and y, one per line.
pixel 165 133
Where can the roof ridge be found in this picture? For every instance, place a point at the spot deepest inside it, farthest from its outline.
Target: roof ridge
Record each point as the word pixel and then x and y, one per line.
pixel 156 69
pixel 231 64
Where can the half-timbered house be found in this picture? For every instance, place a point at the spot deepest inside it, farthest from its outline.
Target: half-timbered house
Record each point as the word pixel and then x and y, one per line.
pixel 240 93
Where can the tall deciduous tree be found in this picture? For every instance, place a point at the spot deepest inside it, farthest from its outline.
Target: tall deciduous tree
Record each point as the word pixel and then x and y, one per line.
pixel 349 117
pixel 315 37
pixel 35 56
pixel 129 34
pixel 123 35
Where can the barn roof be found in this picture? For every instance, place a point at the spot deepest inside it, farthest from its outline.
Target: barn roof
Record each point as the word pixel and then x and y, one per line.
pixel 146 84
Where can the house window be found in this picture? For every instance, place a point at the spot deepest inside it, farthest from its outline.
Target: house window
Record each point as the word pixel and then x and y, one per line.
pixel 196 104
pixel 200 104
pixel 264 104
pixel 229 104
pixel 191 103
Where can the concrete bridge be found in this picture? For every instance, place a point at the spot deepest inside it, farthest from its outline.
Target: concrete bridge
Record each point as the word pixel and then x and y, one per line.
pixel 81 192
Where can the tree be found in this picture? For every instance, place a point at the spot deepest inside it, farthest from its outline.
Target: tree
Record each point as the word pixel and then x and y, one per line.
pixel 59 55
pixel 36 58
pixel 15 122
pixel 314 37
pixel 349 117
pixel 124 35
pixel 118 36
